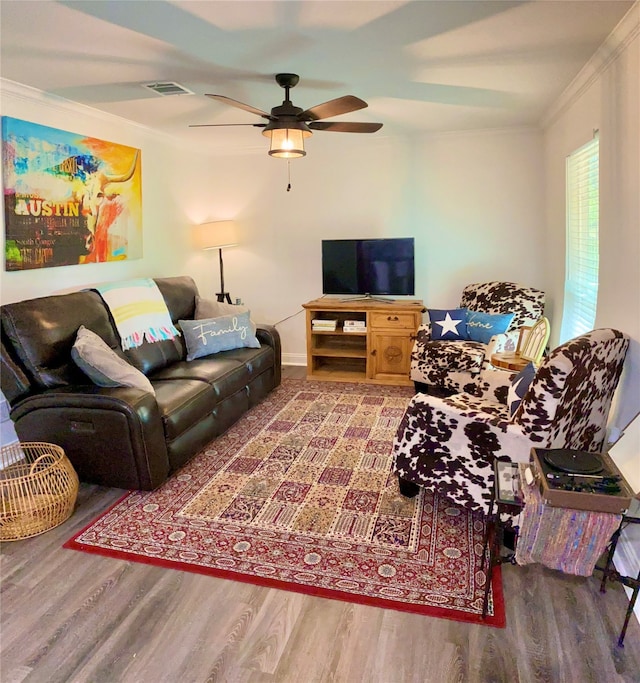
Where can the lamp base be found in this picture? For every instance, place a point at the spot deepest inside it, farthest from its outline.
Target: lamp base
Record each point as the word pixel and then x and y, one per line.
pixel 223 296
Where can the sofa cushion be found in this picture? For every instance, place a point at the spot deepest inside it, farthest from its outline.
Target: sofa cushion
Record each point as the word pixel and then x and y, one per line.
pixel 482 326
pixel 43 330
pixel 212 335
pixel 448 324
pixel 183 403
pixel 464 356
pixel 104 366
pixel 209 308
pixel 519 387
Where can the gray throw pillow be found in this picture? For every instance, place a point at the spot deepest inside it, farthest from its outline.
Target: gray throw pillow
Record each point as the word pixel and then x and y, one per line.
pixel 208 308
pixel 103 366
pixel 204 337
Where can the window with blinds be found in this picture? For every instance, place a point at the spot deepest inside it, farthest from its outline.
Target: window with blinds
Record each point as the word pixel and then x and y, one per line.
pixel 583 218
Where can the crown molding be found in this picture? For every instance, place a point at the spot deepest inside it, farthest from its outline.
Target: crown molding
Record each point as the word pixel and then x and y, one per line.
pixel 614 45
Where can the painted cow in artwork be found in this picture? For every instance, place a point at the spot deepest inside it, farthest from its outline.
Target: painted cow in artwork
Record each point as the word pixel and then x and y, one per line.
pixel 103 209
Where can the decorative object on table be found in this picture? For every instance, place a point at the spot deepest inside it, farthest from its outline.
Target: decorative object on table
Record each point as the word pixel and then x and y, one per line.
pixel 455 365
pixel 448 445
pixel 38 489
pixel 217 235
pixel 69 199
pixel 139 312
pixel 289 125
pixel 532 343
pixel 299 495
pixel 580 480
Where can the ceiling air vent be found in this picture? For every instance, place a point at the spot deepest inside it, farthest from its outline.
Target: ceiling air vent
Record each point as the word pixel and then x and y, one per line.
pixel 167 88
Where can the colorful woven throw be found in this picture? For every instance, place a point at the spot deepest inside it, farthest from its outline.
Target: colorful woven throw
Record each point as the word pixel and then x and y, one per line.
pixel 569 540
pixel 139 312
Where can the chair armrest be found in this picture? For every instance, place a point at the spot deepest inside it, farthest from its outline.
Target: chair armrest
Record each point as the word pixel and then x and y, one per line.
pixel 114 436
pixel 268 334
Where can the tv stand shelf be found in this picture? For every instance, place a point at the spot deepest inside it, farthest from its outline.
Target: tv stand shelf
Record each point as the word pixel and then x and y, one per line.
pixel 380 353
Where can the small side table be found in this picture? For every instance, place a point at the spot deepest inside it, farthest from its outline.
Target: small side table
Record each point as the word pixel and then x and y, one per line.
pixel 506 498
pixel 509 361
pixel 632 516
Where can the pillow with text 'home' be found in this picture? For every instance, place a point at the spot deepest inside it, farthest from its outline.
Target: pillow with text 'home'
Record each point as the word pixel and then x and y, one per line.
pixel 482 326
pixel 519 387
pixel 448 324
pixel 103 366
pixel 212 335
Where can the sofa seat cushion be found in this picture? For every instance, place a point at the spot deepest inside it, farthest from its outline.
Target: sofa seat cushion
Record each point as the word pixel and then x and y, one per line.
pixel 465 356
pixel 256 361
pixel 225 375
pixel 183 403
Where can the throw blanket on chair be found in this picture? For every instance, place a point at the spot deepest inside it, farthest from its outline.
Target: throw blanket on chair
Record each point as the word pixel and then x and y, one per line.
pixel 139 312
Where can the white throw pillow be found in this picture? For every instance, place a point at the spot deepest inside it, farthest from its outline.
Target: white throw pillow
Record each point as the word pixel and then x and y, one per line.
pixel 103 366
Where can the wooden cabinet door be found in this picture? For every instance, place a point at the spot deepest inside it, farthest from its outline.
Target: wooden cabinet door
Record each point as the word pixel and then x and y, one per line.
pixel 391 355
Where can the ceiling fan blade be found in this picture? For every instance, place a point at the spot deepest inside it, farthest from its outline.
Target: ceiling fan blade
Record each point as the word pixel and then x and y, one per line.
pixel 216 125
pixel 341 105
pixel 345 126
pixel 240 105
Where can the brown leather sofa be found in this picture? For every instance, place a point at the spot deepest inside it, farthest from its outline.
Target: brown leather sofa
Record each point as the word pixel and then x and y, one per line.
pixel 120 436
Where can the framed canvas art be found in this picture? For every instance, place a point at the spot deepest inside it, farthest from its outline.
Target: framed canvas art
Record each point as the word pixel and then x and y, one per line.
pixel 68 199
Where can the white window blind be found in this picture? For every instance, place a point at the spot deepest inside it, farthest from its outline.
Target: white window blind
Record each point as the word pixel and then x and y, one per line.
pixel 582 253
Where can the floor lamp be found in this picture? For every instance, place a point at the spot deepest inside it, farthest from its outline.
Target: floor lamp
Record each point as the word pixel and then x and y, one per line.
pixel 217 235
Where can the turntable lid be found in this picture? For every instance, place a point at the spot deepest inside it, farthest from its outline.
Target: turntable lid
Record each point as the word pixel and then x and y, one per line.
pixel 575 462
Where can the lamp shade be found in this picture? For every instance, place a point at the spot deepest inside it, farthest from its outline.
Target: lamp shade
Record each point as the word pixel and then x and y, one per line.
pixel 215 235
pixel 287 143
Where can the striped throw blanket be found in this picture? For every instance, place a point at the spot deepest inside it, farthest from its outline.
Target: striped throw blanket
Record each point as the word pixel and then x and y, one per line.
pixel 139 312
pixel 569 540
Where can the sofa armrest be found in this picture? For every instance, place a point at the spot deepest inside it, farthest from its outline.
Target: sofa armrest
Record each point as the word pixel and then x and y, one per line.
pixel 15 384
pixel 113 436
pixel 269 335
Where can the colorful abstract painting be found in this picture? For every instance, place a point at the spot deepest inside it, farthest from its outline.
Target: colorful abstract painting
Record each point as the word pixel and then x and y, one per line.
pixel 68 199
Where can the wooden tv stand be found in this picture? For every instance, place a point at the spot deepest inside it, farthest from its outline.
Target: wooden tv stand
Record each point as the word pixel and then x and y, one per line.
pixel 379 354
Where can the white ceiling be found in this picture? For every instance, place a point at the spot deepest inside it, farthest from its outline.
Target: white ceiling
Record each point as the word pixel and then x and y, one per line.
pixel 422 65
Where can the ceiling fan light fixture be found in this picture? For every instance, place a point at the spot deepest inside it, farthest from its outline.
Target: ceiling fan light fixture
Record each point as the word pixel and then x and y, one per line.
pixel 287 143
pixel 287 138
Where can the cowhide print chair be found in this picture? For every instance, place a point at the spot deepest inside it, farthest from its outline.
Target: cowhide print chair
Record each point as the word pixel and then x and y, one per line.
pixel 448 445
pixel 454 366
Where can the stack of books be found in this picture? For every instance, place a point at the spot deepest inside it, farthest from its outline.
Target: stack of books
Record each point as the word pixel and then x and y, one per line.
pixel 321 325
pixel 354 326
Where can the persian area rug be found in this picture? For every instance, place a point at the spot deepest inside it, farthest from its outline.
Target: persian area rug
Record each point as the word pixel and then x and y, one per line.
pixel 299 495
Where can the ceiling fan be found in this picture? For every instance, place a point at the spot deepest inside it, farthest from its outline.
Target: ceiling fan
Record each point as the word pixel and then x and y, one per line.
pixel 288 125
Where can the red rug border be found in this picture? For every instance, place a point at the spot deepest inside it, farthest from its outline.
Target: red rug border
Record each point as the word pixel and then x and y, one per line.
pixel 497 620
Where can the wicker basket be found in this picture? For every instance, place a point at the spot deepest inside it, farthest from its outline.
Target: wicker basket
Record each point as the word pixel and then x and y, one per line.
pixel 38 489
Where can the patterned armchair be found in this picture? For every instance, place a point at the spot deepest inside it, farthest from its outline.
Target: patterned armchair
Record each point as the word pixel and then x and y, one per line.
pixel 448 445
pixel 456 365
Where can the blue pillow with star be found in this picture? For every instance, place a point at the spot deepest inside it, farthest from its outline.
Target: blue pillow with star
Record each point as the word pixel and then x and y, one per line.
pixel 448 324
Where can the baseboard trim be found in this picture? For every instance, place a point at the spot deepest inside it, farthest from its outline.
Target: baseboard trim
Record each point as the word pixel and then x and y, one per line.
pixel 294 359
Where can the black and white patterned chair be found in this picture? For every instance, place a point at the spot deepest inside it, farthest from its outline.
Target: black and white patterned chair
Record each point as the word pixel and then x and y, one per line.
pixel 448 445
pixel 454 366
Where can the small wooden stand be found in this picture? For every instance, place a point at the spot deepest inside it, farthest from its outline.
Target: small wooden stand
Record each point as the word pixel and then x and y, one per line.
pixel 376 352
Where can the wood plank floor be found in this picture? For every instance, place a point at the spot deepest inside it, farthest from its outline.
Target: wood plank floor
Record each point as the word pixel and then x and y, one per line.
pixel 70 617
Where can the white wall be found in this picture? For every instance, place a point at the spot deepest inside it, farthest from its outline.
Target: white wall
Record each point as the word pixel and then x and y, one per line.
pixel 469 199
pixel 605 97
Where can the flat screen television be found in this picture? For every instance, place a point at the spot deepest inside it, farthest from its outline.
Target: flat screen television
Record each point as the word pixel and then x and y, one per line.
pixel 368 267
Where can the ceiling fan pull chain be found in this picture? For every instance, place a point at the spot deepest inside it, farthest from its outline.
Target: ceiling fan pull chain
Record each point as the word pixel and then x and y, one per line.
pixel 289 174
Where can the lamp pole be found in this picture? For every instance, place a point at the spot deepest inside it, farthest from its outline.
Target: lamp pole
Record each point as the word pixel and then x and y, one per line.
pixel 222 295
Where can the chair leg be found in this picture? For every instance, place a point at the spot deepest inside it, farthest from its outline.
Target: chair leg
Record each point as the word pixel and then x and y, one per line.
pixel 408 489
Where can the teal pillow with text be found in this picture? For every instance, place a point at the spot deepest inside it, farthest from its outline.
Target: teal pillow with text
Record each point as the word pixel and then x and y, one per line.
pixel 482 326
pixel 212 335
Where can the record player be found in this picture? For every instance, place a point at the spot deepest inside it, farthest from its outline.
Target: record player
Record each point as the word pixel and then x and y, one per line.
pixel 580 480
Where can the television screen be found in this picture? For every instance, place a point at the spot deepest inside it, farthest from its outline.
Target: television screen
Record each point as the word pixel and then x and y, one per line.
pixel 373 266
